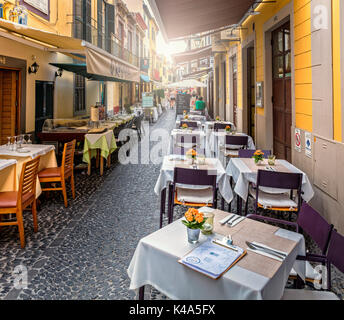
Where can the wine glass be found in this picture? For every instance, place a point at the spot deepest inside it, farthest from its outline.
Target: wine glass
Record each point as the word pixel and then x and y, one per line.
pixel 9 142
pixel 29 141
pixel 15 145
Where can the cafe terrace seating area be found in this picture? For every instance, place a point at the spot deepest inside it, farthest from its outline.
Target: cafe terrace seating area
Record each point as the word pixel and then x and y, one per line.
pixel 112 232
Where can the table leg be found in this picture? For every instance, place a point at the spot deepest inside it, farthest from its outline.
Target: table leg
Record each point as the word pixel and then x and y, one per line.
pixel 162 205
pixel 97 159
pixel 101 165
pixel 142 293
pixel 89 165
pixel 108 161
pixel 170 204
pixel 239 205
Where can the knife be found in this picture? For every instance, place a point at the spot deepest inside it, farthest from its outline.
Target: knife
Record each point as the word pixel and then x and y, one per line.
pixel 264 248
pixel 258 248
pixel 231 222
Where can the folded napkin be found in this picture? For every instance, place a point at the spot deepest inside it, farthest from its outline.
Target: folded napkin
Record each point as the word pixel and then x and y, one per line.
pixel 206 210
pixel 236 222
pixel 265 253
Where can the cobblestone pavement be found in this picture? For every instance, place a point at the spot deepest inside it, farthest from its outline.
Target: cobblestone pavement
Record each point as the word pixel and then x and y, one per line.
pixel 83 252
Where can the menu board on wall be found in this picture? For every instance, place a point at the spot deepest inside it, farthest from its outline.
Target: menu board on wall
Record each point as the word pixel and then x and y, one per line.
pixel 183 103
pixel 41 5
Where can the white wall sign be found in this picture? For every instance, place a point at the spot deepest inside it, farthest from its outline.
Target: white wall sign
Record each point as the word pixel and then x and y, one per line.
pixel 298 140
pixel 308 144
pixel 41 5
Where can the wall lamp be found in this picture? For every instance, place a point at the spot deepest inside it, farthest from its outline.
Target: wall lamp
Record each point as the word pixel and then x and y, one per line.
pixel 33 68
pixel 58 73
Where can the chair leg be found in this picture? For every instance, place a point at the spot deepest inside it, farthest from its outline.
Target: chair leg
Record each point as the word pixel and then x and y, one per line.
pixel 64 192
pixel 222 204
pixel 72 185
pixel 34 216
pixel 21 228
pixel 162 205
pixel 246 206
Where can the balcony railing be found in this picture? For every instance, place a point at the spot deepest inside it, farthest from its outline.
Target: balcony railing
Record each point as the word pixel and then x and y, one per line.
pixel 99 39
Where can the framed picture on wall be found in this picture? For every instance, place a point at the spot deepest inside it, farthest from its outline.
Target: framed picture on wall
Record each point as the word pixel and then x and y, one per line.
pixel 260 94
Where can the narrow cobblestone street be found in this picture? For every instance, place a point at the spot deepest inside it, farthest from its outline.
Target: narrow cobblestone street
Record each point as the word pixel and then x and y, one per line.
pixel 83 252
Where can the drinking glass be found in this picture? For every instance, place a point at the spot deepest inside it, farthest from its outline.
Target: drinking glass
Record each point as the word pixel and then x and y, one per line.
pixel 209 223
pixel 23 140
pixel 15 145
pixel 271 160
pixel 29 141
pixel 9 142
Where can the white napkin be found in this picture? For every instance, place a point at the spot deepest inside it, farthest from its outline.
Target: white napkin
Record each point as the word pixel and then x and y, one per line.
pixel 206 210
pixel 225 219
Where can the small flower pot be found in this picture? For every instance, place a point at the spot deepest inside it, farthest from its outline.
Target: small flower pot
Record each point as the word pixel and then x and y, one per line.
pixel 259 163
pixel 193 235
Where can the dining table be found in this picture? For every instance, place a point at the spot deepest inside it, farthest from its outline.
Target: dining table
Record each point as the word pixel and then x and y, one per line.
pixel 209 126
pixel 217 140
pixel 256 276
pixel 8 177
pixel 28 152
pixel 244 171
pixel 163 185
pixel 99 145
pixel 186 132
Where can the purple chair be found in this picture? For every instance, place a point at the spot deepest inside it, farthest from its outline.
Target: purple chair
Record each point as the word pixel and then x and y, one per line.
pixel 191 197
pixel 274 201
pixel 248 153
pixel 190 124
pixel 188 140
pixel 313 224
pixel 335 256
pixel 239 141
pixel 221 125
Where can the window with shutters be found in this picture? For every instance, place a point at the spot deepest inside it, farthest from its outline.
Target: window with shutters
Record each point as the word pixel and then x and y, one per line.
pixel 79 95
pixel 109 26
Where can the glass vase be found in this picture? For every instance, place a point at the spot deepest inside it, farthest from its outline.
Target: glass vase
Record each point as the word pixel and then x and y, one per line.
pixel 193 235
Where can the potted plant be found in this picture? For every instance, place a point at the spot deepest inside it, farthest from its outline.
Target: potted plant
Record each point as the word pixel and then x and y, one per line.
pixel 184 113
pixel 191 154
pixel 184 126
pixel 258 157
pixel 217 118
pixel 186 117
pixel 194 223
pixel 228 129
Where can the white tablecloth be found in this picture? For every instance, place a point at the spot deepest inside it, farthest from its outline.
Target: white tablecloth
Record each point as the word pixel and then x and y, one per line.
pixel 217 139
pixel 155 263
pixel 199 123
pixel 185 132
pixel 6 163
pixel 34 150
pixel 166 176
pixel 242 175
pixel 209 126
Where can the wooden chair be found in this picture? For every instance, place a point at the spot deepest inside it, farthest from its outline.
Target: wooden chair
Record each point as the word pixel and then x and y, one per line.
pixel 17 201
pixel 61 174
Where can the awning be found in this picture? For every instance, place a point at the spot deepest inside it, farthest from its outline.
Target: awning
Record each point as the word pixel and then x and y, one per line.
pixel 191 55
pixel 181 18
pixel 81 69
pixel 98 61
pixel 197 74
pixel 145 78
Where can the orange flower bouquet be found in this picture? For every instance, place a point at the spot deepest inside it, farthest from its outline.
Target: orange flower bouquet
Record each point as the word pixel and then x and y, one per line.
pixel 186 117
pixel 194 219
pixel 184 126
pixel 217 118
pixel 258 156
pixel 191 153
pixel 228 128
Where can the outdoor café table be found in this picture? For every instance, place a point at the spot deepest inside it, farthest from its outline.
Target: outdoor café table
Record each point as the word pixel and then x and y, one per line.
pixel 166 177
pixel 217 139
pixel 95 143
pixel 254 277
pixel 8 179
pixel 47 160
pixel 201 119
pixel 245 171
pixel 186 132
pixel 199 123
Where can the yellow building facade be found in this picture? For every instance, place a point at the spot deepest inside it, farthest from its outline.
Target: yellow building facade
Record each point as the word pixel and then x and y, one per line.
pixel 282 83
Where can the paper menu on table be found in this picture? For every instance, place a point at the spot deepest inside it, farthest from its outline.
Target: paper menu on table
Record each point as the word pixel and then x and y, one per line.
pixel 212 259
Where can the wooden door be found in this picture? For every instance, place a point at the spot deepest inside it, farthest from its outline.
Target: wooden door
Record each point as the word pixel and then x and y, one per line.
pixel 251 94
pixel 9 102
pixel 235 89
pixel 282 113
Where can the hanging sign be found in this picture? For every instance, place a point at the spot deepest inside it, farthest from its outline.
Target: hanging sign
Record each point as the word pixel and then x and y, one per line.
pixel 308 144
pixel 298 140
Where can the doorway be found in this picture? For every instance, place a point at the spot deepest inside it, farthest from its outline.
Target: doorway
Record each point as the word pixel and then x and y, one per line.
pixel 44 103
pixel 9 104
pixel 251 93
pixel 281 88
